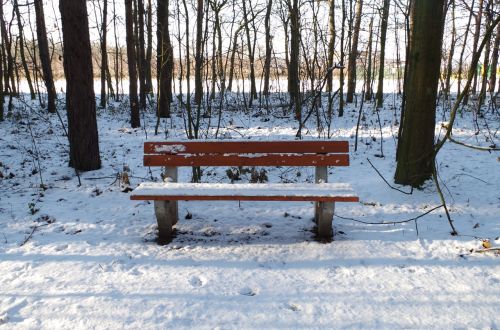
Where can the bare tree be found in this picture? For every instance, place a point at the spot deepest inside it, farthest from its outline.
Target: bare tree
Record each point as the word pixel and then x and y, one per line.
pixel 80 98
pixel 351 70
pixel 415 157
pixel 43 48
pixel 132 70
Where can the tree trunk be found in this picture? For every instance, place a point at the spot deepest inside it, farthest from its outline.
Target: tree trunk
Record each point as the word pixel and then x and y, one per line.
pixel 368 81
pixel 165 60
pixel 381 69
pixel 43 48
pixel 251 55
pixel 293 68
pixel 149 50
pixel 142 54
pixel 477 33
pixel 449 66
pixel 104 55
pixel 494 62
pixel 415 160
pixel 198 60
pixel 27 74
pixel 132 70
pixel 331 45
pixel 80 98
pixel 351 70
pixel 267 63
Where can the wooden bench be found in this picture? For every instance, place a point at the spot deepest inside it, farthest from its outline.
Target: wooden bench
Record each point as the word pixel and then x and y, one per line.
pixel 171 155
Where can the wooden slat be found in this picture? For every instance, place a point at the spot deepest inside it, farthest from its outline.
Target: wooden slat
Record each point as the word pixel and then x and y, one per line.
pixel 221 147
pixel 251 160
pixel 249 198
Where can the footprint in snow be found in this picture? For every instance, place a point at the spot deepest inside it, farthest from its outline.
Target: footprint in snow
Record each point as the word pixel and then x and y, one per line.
pixel 247 291
pixel 197 281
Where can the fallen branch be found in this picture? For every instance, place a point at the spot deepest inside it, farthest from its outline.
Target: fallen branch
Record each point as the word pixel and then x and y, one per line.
pixel 404 192
pixel 32 232
pixel 390 222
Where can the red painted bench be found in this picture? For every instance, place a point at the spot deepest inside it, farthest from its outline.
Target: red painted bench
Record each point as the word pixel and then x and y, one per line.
pixel 171 155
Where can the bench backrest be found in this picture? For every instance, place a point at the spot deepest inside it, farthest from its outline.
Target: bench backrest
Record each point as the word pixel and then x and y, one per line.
pixel 246 153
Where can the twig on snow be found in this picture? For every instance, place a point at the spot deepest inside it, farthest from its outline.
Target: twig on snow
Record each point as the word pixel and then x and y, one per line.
pixel 390 186
pixel 390 222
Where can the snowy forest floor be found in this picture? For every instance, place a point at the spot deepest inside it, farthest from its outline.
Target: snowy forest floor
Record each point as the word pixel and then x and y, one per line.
pixel 74 257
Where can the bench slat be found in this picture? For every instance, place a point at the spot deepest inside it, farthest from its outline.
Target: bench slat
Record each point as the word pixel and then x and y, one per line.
pixel 221 147
pixel 324 192
pixel 247 160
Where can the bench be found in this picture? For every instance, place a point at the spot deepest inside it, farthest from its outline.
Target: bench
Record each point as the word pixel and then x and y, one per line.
pixel 172 155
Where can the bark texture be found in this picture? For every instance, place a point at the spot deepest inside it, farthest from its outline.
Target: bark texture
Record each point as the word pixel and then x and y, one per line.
pixel 415 160
pixel 80 98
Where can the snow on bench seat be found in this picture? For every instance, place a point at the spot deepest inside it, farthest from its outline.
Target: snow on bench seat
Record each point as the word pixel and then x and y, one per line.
pixel 321 192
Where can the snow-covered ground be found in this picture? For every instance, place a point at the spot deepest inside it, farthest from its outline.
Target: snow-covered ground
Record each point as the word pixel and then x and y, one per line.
pixel 78 257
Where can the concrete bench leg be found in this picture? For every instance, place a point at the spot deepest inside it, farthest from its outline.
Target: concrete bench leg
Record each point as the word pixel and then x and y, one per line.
pixel 166 216
pixel 320 176
pixel 324 219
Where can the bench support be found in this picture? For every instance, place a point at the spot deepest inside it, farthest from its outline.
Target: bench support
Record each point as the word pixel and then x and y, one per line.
pixel 321 175
pixel 171 175
pixel 166 214
pixel 324 221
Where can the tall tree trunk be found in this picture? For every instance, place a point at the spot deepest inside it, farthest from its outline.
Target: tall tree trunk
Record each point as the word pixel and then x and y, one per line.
pixel 368 81
pixel 351 70
pixel 461 60
pixel 381 68
pixel 132 60
pixel 149 50
pixel 331 44
pixel 449 66
pixel 104 54
pixel 494 62
pixel 294 67
pixel 43 48
pixel 415 160
pixel 117 54
pixel 267 63
pixel 198 60
pixel 477 33
pixel 80 98
pixel 27 73
pixel 165 60
pixel 142 54
pixel 486 60
pixel 342 58
pixel 251 55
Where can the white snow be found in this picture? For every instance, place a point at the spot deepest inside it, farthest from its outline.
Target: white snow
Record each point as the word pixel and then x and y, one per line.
pixel 170 149
pixel 80 257
pixel 242 189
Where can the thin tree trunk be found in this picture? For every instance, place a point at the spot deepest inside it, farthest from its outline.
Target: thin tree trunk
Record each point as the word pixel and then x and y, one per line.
pixel 43 48
pixel 149 50
pixel 331 44
pixel 80 98
pixel 267 63
pixel 368 89
pixel 494 62
pixel 142 54
pixel 104 55
pixel 351 70
pixel 381 68
pixel 27 73
pixel 132 70
pixel 165 60
pixel 251 55
pixel 449 66
pixel 294 67
pixel 198 65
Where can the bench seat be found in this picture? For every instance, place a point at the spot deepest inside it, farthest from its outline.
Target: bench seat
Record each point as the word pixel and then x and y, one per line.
pixel 321 192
